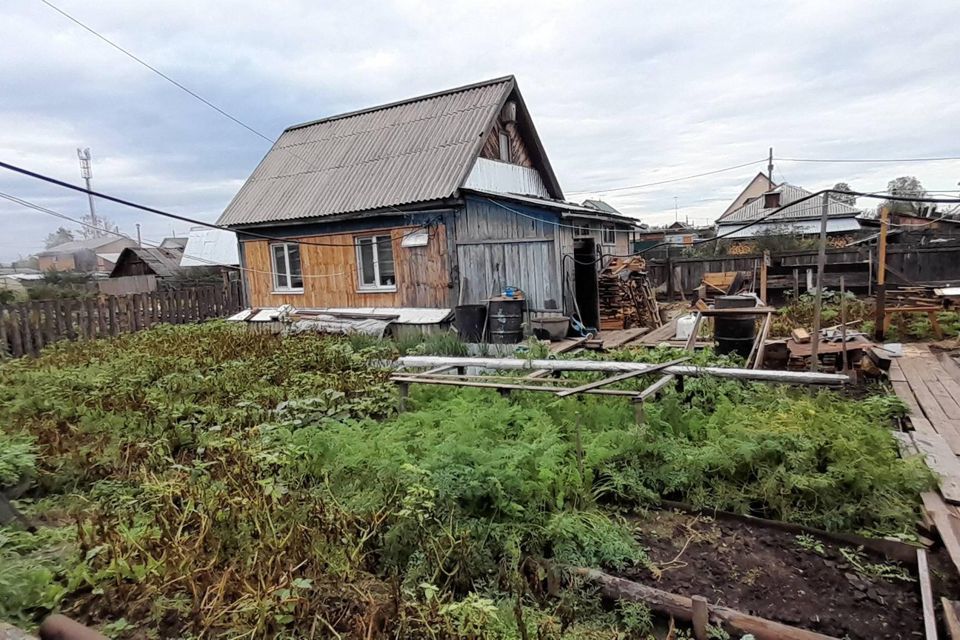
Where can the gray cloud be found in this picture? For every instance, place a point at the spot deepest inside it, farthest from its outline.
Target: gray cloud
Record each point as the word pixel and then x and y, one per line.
pixel 622 93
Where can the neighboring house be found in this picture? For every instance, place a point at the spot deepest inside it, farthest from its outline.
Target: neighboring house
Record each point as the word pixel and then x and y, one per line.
pixel 208 247
pixel 802 218
pixel 80 255
pixel 173 243
pixel 142 269
pixel 107 261
pixel 754 189
pixel 675 234
pixel 434 201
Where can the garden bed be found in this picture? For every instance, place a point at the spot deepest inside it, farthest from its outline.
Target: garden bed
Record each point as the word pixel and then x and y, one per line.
pixel 800 580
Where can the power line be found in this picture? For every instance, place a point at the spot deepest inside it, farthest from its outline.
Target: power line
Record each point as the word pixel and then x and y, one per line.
pixel 156 71
pixel 57 214
pixel 174 216
pixel 868 160
pixel 653 184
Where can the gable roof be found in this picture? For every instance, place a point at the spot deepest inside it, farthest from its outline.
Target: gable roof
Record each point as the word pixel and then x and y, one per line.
pixel 401 153
pixel 756 187
pixel 163 263
pixel 600 205
pixel 90 244
pixel 789 193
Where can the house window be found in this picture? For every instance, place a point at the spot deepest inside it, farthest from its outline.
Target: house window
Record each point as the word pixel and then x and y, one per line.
pixel 609 235
pixel 375 263
pixel 580 230
pixel 504 146
pixel 287 274
pixel 771 200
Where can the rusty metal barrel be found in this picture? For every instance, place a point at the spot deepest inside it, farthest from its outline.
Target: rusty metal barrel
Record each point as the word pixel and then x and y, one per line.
pixel 505 321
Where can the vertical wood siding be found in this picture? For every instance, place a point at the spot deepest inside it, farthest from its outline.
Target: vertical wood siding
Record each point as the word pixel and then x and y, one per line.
pixel 422 277
pixel 497 248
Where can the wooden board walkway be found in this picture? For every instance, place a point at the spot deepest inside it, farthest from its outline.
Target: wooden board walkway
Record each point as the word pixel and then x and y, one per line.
pixel 930 387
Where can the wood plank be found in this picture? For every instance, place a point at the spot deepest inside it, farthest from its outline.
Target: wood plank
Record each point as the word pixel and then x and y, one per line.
pixel 620 337
pixel 926 596
pixel 931 408
pixel 951 617
pixel 682 607
pixel 599 383
pixel 942 461
pixel 4 342
pixel 945 399
pixel 945 520
pixel 896 373
pixel 16 333
pixel 458 381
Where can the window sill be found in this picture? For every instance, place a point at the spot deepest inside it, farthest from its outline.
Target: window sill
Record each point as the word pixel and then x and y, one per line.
pixel 287 292
pixel 377 290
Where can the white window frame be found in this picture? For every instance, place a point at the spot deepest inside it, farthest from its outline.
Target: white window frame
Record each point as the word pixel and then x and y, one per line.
pixel 376 286
pixel 502 138
pixel 275 276
pixel 608 234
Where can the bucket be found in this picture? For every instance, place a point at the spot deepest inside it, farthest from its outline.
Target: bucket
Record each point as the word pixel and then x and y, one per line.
pixel 469 319
pixel 735 333
pixel 505 321
pixel 555 325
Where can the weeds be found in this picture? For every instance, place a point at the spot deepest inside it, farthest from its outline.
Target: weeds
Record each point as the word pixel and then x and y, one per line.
pixel 204 481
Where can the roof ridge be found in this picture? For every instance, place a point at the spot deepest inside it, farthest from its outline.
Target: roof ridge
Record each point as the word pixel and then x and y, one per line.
pixel 397 103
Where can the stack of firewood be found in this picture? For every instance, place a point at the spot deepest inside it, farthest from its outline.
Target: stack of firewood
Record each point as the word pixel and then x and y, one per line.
pixel 626 297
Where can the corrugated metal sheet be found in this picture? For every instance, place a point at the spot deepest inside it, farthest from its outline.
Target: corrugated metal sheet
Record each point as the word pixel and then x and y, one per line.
pixel 398 154
pixel 789 227
pixel 206 247
pixel 501 177
pixel 789 193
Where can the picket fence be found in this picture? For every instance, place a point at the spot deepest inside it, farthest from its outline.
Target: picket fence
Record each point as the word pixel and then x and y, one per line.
pixel 27 327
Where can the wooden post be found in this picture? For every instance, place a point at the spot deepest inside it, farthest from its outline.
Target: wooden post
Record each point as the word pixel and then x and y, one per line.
pixel 818 301
pixel 28 348
pixel 67 308
pixel 4 344
pixel 112 311
pixel 89 328
pixel 700 617
pixel 843 324
pixel 881 299
pixel 764 265
pixel 15 333
pixel 926 596
pixel 796 284
pixel 102 329
pixel 50 334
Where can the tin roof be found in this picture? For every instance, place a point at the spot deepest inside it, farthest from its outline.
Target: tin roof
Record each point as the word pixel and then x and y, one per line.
pixel 401 153
pixel 164 263
pixel 789 193
pixel 208 247
pixel 90 244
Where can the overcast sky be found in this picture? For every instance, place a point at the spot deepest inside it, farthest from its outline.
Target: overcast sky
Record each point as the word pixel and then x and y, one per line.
pixel 622 93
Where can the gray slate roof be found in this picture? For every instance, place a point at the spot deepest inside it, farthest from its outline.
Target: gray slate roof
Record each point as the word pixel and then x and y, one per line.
pixel 807 209
pixel 164 263
pixel 401 153
pixel 90 244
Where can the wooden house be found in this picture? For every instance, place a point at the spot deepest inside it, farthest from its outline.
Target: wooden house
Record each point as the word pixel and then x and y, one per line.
pixel 143 269
pixel 81 255
pixel 434 201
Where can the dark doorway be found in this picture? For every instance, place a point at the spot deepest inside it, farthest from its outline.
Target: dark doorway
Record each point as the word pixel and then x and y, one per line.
pixel 585 281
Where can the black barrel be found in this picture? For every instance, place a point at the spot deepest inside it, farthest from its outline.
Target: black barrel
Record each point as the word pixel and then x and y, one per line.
pixel 469 319
pixel 505 321
pixel 735 333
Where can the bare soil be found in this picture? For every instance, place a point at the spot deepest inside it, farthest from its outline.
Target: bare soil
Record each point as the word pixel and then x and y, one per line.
pixel 769 573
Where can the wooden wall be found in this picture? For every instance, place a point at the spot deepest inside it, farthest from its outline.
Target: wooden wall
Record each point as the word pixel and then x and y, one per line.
pixel 497 248
pixel 518 148
pixel 330 273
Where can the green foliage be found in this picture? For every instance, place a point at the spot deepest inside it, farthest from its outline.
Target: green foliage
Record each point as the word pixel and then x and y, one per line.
pixel 799 312
pixel 220 482
pixel 17 459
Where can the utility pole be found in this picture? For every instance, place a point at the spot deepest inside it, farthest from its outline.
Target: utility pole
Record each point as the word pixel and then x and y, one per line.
pixel 818 301
pixel 139 243
pixel 676 209
pixel 770 166
pixel 880 304
pixel 86 172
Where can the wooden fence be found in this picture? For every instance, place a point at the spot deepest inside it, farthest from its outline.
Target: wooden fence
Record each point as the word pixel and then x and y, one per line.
pixel 27 327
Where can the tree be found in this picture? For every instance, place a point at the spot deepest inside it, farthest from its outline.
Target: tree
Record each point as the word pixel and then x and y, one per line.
pixel 98 228
pixel 59 236
pixel 847 197
pixel 907 187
